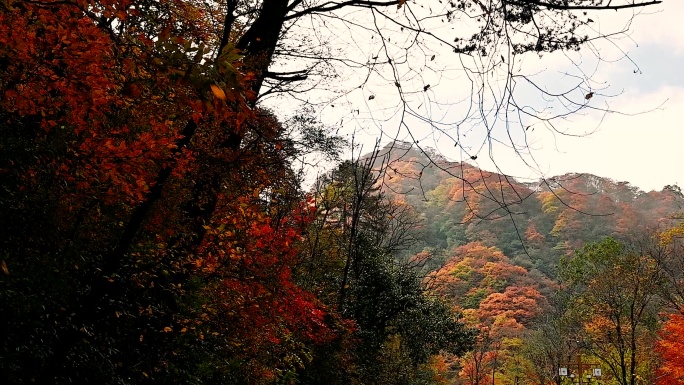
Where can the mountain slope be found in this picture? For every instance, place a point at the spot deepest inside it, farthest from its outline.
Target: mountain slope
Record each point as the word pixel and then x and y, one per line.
pixel 532 223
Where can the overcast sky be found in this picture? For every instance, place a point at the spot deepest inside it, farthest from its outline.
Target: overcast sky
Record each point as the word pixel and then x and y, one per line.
pixel 640 143
pixel 648 149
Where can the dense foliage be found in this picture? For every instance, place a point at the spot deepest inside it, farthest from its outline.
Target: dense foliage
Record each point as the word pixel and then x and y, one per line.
pixel 541 279
pixel 155 229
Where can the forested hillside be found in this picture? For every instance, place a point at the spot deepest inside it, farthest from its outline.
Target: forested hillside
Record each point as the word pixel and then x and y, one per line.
pixel 546 270
pixel 534 224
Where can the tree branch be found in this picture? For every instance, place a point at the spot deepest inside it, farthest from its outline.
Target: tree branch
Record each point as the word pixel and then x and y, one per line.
pixel 331 6
pixel 581 7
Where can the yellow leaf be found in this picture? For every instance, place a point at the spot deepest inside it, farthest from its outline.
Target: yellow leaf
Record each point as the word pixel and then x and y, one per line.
pixel 218 92
pixel 167 329
pixel 3 267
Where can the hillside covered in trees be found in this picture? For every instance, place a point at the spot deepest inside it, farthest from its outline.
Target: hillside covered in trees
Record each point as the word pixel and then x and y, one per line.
pixel 546 271
pixel 533 223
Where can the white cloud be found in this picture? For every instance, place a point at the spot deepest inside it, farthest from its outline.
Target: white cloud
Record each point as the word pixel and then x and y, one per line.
pixel 645 150
pixel 662 25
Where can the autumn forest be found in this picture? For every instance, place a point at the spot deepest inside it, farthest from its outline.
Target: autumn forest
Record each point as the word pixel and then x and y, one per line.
pixel 162 220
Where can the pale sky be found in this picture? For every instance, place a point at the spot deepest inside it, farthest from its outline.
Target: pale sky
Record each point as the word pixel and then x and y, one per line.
pixel 641 143
pixel 648 149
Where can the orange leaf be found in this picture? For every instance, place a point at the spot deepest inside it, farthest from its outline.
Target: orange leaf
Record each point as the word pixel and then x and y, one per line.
pixel 218 92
